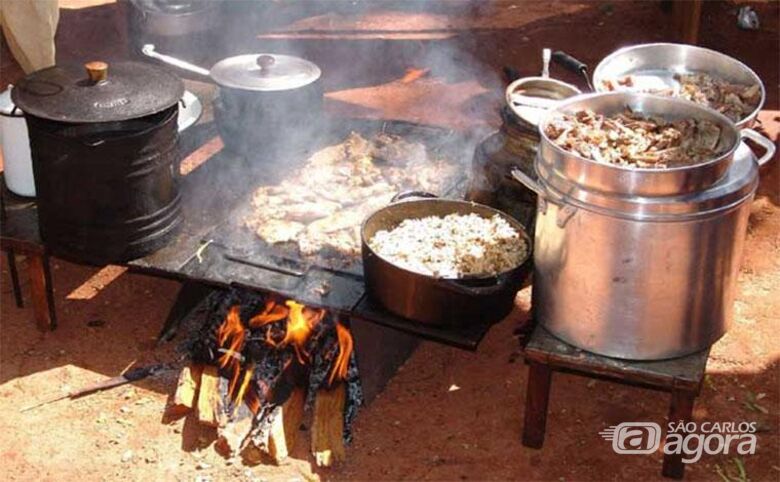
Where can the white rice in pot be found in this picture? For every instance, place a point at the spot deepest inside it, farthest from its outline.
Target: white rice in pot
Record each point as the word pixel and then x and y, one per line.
pixel 454 246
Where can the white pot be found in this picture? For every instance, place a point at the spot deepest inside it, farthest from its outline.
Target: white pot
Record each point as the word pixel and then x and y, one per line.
pixel 17 162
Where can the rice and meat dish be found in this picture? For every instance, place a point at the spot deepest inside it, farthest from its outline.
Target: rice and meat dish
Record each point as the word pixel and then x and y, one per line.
pixel 453 246
pixel 735 101
pixel 318 209
pixel 630 139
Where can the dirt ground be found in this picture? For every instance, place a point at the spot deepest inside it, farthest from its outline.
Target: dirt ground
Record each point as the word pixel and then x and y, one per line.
pixel 448 414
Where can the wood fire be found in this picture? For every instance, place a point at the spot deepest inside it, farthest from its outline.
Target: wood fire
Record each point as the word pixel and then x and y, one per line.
pixel 254 372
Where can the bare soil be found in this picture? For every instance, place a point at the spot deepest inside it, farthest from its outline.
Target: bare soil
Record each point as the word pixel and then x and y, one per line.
pixel 448 414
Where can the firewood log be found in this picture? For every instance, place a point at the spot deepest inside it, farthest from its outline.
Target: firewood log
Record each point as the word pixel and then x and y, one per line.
pixel 185 398
pixel 327 433
pixel 211 408
pixel 286 426
pixel 231 437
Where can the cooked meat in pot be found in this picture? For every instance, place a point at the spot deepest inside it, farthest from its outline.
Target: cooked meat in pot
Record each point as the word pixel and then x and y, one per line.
pixel 630 139
pixel 735 101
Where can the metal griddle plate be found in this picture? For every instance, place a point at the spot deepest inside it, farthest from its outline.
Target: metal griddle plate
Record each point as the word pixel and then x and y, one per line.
pixel 248 261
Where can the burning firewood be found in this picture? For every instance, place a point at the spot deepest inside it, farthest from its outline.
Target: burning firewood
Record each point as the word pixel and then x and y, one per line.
pixel 327 432
pixel 231 438
pixel 266 362
pixel 185 397
pixel 211 408
pixel 286 426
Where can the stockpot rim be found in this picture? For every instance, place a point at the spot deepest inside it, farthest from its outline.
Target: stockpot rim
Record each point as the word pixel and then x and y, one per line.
pixel 560 109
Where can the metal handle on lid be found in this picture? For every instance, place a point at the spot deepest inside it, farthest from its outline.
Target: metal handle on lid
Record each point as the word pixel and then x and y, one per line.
pixel 546 55
pixel 762 141
pixel 97 71
pixel 149 51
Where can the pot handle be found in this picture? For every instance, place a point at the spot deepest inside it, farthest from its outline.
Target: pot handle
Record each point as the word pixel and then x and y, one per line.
pixel 572 65
pixel 762 141
pixel 455 286
pixel 565 210
pixel 408 194
pixel 149 51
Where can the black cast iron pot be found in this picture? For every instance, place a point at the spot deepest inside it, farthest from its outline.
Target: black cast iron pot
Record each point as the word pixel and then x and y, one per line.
pixel 431 300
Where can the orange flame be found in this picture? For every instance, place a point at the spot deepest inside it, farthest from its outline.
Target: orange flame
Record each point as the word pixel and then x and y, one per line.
pixel 252 400
pixel 242 390
pixel 341 365
pixel 272 312
pixel 230 336
pixel 300 322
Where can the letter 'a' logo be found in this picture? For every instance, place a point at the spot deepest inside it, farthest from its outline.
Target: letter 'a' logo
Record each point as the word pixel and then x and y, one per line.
pixel 634 437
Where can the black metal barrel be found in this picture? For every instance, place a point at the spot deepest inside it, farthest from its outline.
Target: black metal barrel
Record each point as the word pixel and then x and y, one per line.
pixel 107 191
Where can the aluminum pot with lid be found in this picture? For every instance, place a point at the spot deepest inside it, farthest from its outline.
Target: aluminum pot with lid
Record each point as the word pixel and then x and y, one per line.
pixel 263 98
pixel 633 181
pixel 641 278
pixel 104 144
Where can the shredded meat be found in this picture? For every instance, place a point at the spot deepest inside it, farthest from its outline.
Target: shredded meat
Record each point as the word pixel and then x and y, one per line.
pixel 320 206
pixel 735 101
pixel 629 139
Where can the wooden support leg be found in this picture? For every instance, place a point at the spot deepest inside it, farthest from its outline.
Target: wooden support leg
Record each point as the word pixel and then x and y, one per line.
pixel 42 292
pixel 537 396
pixel 680 409
pixel 15 285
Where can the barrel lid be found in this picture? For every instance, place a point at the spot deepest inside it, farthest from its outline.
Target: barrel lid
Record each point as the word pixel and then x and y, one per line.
pixel 265 72
pixel 97 92
pixel 739 182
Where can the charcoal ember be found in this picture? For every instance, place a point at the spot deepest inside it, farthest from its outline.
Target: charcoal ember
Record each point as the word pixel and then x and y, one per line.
pixel 201 346
pixel 269 370
pixel 354 398
pixel 324 353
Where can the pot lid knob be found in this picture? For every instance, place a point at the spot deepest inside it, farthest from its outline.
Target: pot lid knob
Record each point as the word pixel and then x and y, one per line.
pixel 265 62
pixel 97 71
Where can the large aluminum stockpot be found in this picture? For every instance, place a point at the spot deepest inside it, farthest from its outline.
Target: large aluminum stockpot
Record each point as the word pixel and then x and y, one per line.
pixel 641 278
pixel 632 181
pixel 654 66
